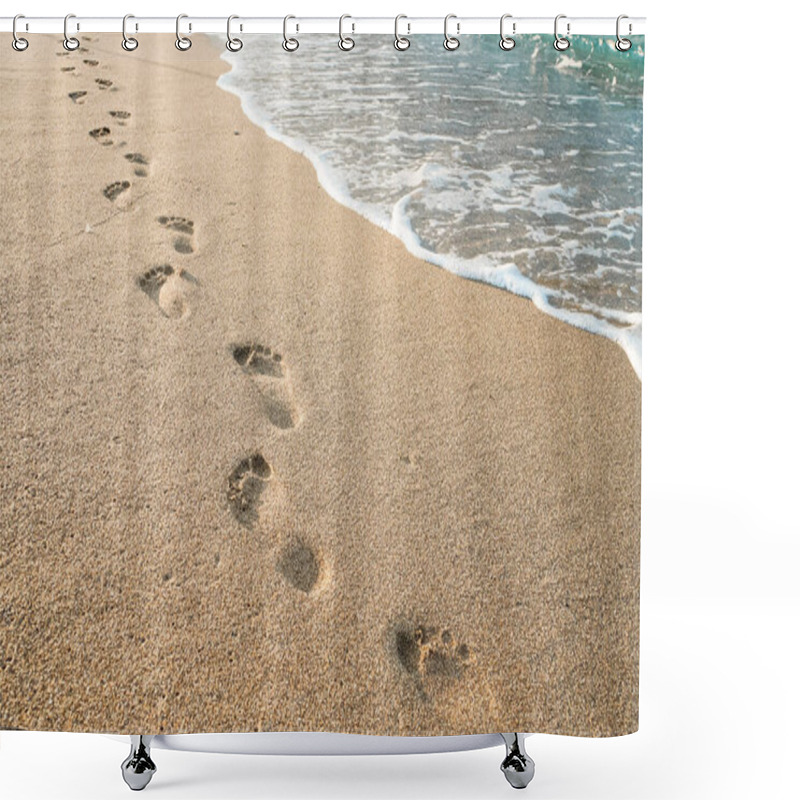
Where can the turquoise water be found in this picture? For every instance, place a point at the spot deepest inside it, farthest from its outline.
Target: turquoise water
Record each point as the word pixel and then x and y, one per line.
pixel 522 168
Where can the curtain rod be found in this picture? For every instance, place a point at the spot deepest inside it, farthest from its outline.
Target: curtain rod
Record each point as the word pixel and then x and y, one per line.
pixel 352 25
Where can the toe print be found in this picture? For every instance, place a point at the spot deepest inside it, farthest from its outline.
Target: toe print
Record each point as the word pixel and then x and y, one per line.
pixel 120 116
pixel 184 241
pixel 299 565
pixel 102 135
pixel 268 372
pixel 427 652
pixel 152 280
pixel 246 484
pixel 259 360
pixel 103 83
pixel 171 290
pixel 140 164
pixel 180 224
pixel 114 190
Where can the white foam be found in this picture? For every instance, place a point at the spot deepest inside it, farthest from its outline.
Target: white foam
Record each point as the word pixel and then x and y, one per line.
pixel 627 330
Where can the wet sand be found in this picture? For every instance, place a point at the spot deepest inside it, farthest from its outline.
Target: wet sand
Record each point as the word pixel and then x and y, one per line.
pixel 261 468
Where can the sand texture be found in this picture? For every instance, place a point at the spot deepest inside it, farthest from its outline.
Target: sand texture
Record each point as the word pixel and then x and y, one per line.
pixel 261 468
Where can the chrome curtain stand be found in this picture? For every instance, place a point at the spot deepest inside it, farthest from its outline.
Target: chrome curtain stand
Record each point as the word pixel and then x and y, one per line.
pixel 138 768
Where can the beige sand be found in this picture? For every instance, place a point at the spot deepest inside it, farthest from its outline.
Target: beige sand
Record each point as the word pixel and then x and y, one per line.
pixel 422 519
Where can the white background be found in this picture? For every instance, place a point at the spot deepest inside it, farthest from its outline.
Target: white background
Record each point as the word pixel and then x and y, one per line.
pixel 719 675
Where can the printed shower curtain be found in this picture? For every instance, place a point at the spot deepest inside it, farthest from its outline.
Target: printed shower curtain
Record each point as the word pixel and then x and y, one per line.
pixel 320 397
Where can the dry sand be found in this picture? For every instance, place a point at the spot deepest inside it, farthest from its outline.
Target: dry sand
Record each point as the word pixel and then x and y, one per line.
pixel 421 517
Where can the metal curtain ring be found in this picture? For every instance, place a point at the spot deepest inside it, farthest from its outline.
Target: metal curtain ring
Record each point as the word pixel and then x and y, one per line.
pixel 128 42
pixel 70 42
pixel 345 42
pixel 289 45
pixel 623 44
pixel 233 44
pixel 401 42
pixel 506 42
pixel 181 42
pixel 18 43
pixel 450 42
pixel 561 43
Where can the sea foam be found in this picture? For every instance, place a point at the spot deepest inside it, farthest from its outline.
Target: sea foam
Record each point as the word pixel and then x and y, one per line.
pixel 522 172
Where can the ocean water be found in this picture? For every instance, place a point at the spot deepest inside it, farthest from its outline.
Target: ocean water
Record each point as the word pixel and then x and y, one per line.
pixel 522 169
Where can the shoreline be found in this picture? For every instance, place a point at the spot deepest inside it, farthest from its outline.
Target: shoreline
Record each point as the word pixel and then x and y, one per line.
pixel 414 419
pixel 507 277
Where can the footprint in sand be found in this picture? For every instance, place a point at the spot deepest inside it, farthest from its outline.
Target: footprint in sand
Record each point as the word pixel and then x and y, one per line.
pixel 246 484
pixel 120 116
pixel 427 652
pixel 67 69
pixel 140 164
pixel 103 83
pixel 184 241
pixel 171 289
pixel 270 374
pixel 102 135
pixel 76 96
pixel 90 62
pixel 114 190
pixel 299 564
pixel 410 459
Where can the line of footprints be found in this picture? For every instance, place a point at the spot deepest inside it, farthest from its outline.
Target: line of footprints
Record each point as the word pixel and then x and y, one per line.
pixel 173 290
pixel 422 651
pixel 102 135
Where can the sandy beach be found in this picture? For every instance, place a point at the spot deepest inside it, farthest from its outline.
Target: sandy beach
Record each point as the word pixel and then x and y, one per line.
pixel 261 468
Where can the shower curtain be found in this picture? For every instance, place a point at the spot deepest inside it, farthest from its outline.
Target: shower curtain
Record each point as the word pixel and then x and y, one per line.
pixel 320 397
